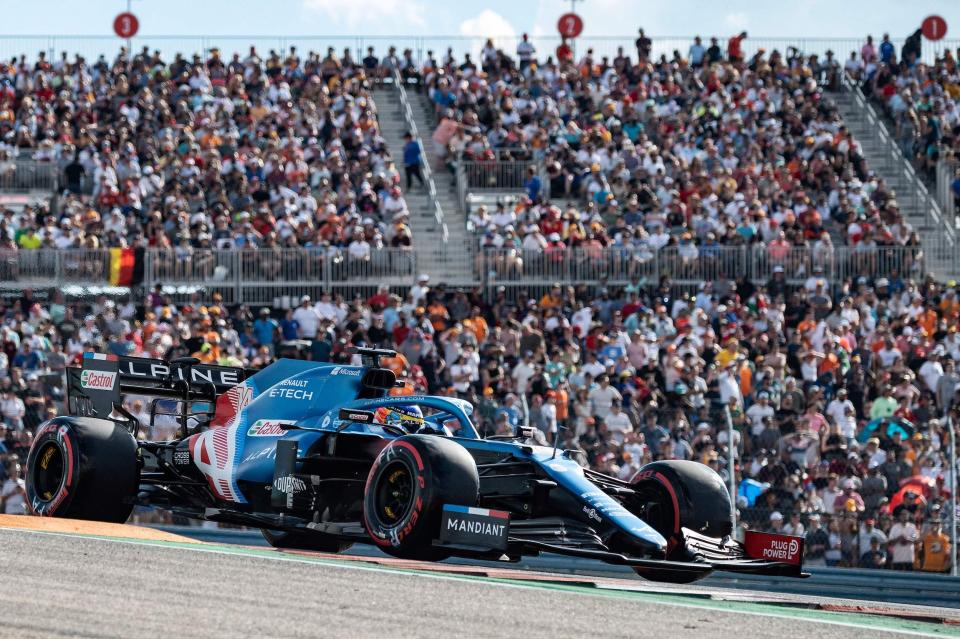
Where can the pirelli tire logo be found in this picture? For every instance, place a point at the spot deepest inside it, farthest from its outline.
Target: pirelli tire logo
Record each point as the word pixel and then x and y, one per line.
pixel 98 380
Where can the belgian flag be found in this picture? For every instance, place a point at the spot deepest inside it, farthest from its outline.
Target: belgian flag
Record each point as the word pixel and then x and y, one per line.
pixel 126 266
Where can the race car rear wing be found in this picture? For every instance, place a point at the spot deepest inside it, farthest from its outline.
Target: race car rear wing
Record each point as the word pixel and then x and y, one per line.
pixel 98 386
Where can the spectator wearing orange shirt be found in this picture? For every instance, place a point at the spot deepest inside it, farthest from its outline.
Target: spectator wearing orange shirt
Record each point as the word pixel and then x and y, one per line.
pixel 936 549
pixel 438 314
pixel 477 325
pixel 950 303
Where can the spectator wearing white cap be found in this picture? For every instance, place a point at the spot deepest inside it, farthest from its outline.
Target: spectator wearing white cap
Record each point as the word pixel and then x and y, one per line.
pixel 308 319
pixel 776 523
pixel 419 290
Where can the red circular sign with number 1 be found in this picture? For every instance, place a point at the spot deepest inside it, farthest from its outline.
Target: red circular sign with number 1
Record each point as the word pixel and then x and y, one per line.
pixel 570 25
pixel 934 27
pixel 126 25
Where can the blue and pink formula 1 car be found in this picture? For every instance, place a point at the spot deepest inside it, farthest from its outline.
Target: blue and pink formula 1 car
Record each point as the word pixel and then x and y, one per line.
pixel 321 456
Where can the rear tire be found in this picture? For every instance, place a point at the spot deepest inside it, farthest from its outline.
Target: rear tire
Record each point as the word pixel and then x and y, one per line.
pixel 83 468
pixel 408 484
pixel 304 541
pixel 672 495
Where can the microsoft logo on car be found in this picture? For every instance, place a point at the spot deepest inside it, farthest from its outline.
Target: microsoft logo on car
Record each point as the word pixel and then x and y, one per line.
pixel 98 380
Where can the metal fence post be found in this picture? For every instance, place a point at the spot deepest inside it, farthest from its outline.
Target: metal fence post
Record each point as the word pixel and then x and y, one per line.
pixel 732 475
pixel 953 497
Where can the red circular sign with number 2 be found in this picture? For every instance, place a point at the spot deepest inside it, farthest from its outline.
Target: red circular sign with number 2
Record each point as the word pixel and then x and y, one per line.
pixel 934 27
pixel 126 25
pixel 570 25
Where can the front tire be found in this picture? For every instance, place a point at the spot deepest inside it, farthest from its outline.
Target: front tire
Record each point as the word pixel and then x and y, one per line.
pixel 408 484
pixel 676 494
pixel 304 541
pixel 83 468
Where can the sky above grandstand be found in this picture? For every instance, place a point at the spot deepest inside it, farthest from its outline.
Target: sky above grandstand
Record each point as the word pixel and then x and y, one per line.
pixel 808 18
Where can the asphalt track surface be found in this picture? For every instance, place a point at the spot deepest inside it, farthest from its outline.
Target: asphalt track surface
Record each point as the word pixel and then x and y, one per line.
pixel 81 584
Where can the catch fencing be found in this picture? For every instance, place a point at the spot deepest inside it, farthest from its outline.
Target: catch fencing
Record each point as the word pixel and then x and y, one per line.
pixel 19 175
pixel 691 265
pixel 247 275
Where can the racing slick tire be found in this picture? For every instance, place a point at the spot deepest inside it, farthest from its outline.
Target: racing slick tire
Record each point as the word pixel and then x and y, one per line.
pixel 676 494
pixel 304 541
pixel 408 484
pixel 83 468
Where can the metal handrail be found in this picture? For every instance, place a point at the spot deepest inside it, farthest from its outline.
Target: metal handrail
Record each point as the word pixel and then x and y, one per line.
pixel 603 45
pixel 928 204
pixel 946 174
pixel 432 200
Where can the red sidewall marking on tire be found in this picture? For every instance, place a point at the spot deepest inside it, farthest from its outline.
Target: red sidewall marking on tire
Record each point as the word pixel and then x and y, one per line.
pixel 69 447
pixel 418 505
pixel 673 497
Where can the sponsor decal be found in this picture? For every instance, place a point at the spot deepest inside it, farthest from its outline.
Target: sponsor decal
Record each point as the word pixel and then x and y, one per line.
pixel 98 380
pixel 475 527
pixel 604 504
pixel 289 484
pixel 592 514
pixel 467 526
pixel 782 548
pixel 181 457
pixel 156 369
pixel 557 467
pixel 290 393
pixel 268 428
pixel 270 452
pixel 349 372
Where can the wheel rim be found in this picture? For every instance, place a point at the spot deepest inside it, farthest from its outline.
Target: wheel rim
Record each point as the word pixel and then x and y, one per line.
pixel 394 493
pixel 49 474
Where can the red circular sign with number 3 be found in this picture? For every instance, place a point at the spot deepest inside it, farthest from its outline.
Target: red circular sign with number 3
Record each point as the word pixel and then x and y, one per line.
pixel 126 25
pixel 934 27
pixel 570 25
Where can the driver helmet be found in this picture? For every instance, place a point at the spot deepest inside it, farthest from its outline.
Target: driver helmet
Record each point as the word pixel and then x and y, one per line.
pixel 408 417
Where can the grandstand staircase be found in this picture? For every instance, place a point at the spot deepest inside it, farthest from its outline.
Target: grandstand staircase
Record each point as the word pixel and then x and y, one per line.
pixel 939 248
pixel 447 262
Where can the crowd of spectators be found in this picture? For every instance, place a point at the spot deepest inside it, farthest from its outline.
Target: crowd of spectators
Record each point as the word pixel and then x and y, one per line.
pixel 712 149
pixel 919 98
pixel 811 379
pixel 245 151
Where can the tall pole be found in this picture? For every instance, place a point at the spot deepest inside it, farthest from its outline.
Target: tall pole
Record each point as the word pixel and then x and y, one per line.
pixel 129 42
pixel 731 473
pixel 953 496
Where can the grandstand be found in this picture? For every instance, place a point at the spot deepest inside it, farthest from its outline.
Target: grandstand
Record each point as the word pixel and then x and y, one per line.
pixel 768 234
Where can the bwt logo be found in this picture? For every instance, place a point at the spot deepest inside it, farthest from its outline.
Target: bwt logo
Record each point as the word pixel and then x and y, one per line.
pixel 98 380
